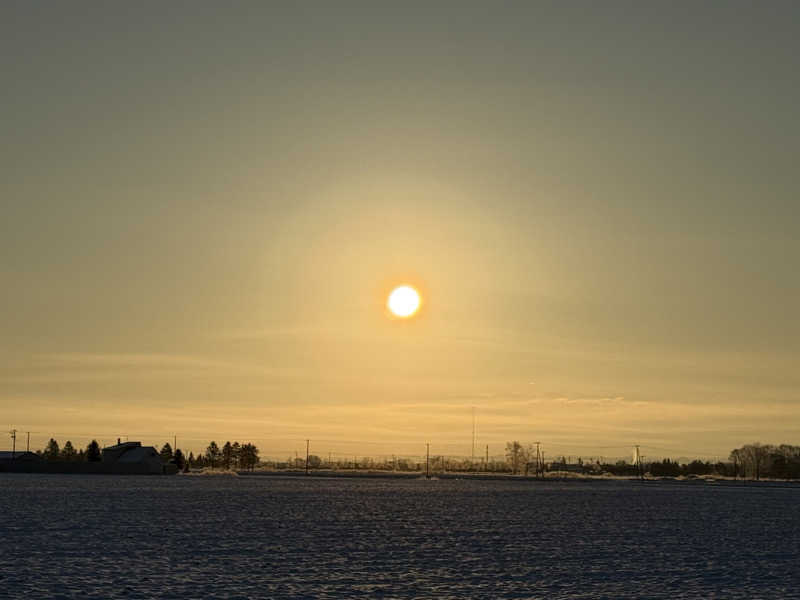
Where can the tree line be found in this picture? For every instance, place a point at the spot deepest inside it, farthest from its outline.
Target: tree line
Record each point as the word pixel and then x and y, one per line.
pixel 230 456
pixel 754 461
pixel 751 461
pixel 758 460
pixel 52 452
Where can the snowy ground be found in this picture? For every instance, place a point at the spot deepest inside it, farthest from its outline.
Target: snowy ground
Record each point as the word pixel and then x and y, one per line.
pixel 71 536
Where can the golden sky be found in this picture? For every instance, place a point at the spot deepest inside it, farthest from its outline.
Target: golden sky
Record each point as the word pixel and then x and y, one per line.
pixel 203 208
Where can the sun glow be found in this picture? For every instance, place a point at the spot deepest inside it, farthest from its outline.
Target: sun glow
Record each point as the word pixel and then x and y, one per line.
pixel 403 302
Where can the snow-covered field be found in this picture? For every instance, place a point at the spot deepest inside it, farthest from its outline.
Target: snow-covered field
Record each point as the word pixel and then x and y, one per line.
pixel 72 536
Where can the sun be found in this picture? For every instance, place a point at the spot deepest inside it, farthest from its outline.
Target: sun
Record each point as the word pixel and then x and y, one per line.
pixel 403 302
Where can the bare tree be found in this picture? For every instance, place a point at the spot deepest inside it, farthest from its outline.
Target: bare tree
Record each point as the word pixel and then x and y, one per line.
pixel 756 454
pixel 514 456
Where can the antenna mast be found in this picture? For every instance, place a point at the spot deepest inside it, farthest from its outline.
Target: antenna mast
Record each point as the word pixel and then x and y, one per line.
pixel 472 464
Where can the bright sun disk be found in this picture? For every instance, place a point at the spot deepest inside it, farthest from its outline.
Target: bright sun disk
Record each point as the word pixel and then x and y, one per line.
pixel 403 301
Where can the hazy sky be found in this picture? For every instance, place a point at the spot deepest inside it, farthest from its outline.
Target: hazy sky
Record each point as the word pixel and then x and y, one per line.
pixel 204 205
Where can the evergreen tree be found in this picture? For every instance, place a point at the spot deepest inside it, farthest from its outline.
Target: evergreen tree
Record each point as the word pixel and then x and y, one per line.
pixel 248 456
pixel 166 453
pixel 68 452
pixel 52 451
pixel 227 455
pixel 190 460
pixel 178 459
pixel 236 451
pixel 93 453
pixel 212 454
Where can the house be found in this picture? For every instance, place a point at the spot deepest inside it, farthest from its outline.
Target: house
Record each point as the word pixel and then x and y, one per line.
pixel 128 458
pixel 8 455
pixel 134 459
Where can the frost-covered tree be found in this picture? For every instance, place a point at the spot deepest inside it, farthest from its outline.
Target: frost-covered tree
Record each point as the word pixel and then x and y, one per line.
pixel 737 459
pixel 756 454
pixel 514 456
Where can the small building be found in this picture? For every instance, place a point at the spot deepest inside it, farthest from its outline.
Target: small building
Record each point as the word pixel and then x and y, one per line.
pixel 135 459
pixel 8 455
pixel 128 458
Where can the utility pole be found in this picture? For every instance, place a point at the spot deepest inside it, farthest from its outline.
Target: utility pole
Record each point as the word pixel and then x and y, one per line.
pixel 486 466
pixel 428 460
pixel 538 460
pixel 28 442
pixel 174 443
pixel 307 444
pixel 13 433
pixel 472 462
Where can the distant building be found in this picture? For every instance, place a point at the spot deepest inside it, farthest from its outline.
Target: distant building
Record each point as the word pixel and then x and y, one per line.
pixel 128 458
pixel 8 455
pixel 133 458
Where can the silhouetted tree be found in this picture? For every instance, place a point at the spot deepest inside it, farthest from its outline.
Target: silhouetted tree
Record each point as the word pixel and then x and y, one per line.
pixel 698 467
pixel 236 450
pixel 514 456
pixel 68 452
pixel 756 455
pixel 93 453
pixel 227 455
pixel 212 453
pixel 790 462
pixel 248 456
pixel 665 468
pixel 166 453
pixel 758 460
pixel 52 451
pixel 178 459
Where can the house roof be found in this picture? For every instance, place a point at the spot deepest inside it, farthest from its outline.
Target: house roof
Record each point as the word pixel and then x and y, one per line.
pixel 124 445
pixel 19 454
pixel 138 454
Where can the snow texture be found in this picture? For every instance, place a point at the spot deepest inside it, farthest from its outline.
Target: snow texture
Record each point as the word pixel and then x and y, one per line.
pixel 77 536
